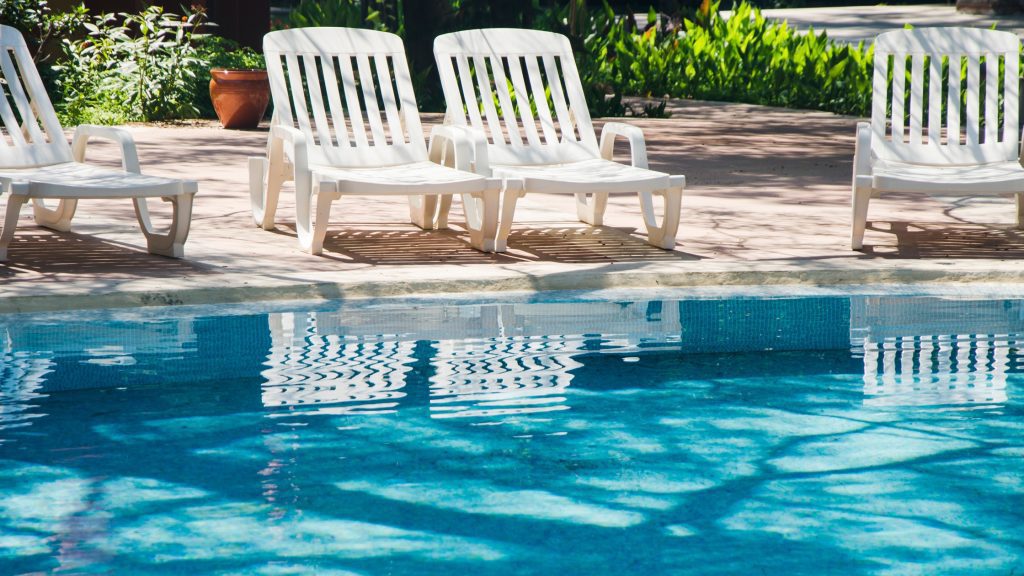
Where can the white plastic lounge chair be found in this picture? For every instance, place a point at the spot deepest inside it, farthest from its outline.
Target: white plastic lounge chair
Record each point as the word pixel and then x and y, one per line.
pixel 498 78
pixel 949 146
pixel 330 87
pixel 37 164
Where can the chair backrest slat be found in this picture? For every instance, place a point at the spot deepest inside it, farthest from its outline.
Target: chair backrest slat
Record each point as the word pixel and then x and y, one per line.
pixel 11 125
pixel 368 86
pixel 501 86
pixel 991 97
pixel 1011 92
pixel 334 101
pixel 29 123
pixel 972 109
pixel 540 99
pixel 879 101
pixel 351 95
pixel 522 94
pixel 483 84
pixel 917 80
pixel 934 101
pixel 30 134
pixel 980 108
pixel 899 78
pixel 387 96
pixel 953 131
pixel 565 123
pixel 577 101
pixel 316 101
pixel 533 79
pixel 298 90
pixel 355 110
pixel 407 112
pixel 466 83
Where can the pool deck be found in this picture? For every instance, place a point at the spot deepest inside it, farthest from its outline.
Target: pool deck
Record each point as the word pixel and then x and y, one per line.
pixel 853 24
pixel 767 202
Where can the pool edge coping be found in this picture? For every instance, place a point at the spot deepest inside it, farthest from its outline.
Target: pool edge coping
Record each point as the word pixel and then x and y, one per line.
pixel 561 281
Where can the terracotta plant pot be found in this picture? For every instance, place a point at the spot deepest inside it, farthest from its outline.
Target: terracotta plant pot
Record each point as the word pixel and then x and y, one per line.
pixel 240 97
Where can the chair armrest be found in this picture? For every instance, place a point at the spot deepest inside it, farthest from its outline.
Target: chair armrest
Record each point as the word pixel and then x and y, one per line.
pixel 862 151
pixel 129 155
pixel 297 140
pixel 470 147
pixel 637 146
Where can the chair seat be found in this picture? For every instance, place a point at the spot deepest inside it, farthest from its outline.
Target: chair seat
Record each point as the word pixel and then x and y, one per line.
pixel 596 175
pixel 993 178
pixel 77 180
pixel 403 179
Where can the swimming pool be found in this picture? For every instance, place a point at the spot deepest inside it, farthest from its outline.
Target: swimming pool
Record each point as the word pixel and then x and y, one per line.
pixel 827 434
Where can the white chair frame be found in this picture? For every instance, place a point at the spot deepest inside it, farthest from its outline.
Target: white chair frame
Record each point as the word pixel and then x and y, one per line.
pixel 947 147
pixel 37 164
pixel 562 155
pixel 358 133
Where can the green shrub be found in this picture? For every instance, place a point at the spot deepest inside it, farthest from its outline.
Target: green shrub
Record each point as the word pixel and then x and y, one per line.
pixel 42 28
pixel 40 24
pixel 131 67
pixel 743 59
pixel 344 13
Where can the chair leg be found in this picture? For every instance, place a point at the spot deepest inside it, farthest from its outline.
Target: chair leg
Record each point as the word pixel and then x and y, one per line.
pixel 14 204
pixel 423 210
pixel 312 227
pixel 58 218
pixel 172 242
pixel 1020 209
pixel 663 236
pixel 860 200
pixel 482 218
pixel 443 208
pixel 509 197
pixel 265 181
pixel 590 207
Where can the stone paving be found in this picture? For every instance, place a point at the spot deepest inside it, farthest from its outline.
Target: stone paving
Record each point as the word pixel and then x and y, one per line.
pixel 767 202
pixel 862 23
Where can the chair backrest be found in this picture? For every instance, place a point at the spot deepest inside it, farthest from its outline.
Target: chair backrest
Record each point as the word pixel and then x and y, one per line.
pixel 30 134
pixel 961 103
pixel 504 82
pixel 349 91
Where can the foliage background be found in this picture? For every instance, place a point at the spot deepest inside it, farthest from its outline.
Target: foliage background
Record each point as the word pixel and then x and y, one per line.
pixel 154 65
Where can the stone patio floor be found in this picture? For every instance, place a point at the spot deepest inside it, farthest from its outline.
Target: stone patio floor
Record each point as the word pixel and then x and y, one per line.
pixel 767 202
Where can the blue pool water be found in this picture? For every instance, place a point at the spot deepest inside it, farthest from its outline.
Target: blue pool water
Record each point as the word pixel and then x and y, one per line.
pixel 821 435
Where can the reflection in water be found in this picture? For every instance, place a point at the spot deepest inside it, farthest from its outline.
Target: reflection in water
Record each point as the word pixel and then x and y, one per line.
pixel 679 451
pixel 517 375
pixel 935 370
pixel 22 375
pixel 519 358
pixel 312 363
pixel 936 352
